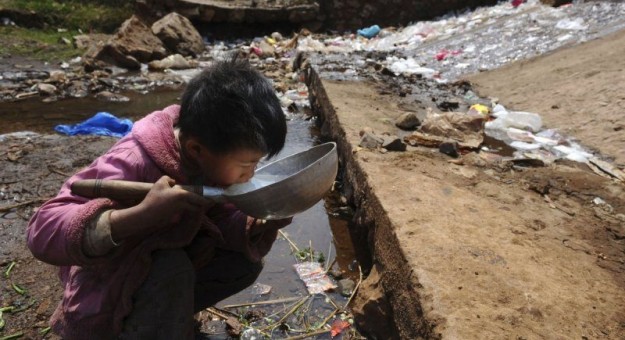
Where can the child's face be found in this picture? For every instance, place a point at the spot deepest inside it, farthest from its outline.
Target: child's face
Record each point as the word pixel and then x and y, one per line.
pixel 231 168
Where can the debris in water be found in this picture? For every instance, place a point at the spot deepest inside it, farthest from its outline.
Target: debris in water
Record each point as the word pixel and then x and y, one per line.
pixel 314 276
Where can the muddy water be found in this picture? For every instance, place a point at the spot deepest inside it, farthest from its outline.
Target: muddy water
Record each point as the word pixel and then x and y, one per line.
pixel 315 228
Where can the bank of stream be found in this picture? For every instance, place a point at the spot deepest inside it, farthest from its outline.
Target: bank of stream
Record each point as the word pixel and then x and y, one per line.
pixel 318 233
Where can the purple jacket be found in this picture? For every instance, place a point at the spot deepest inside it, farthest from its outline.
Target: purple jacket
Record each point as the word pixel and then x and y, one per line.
pixel 98 290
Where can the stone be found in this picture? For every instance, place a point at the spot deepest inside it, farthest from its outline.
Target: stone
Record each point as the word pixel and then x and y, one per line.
pixel 174 62
pixel 408 121
pixel 370 141
pixel 467 130
pixel 108 96
pixel 393 143
pixel 46 89
pixel 57 76
pixel 78 89
pixel 346 287
pixel 364 130
pixel 133 44
pixel 179 35
pixel 449 148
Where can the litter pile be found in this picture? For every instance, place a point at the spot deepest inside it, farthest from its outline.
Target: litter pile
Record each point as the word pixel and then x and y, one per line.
pixel 483 39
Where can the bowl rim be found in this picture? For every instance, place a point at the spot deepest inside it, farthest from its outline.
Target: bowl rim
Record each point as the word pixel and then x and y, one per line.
pixel 266 187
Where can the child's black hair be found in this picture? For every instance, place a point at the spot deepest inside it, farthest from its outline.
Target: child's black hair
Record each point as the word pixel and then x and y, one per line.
pixel 229 106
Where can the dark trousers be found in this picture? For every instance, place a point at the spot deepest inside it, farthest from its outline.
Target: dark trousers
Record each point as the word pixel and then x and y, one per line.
pixel 163 307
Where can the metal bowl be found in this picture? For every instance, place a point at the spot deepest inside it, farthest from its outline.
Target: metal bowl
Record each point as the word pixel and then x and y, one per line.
pixel 287 186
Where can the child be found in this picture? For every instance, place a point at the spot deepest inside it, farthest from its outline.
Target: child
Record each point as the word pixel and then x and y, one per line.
pixel 142 271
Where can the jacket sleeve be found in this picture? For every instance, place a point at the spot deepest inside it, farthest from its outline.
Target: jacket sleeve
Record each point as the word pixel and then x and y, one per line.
pixel 55 233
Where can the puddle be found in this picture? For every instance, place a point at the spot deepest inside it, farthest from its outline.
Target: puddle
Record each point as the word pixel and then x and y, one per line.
pixel 315 228
pixel 34 115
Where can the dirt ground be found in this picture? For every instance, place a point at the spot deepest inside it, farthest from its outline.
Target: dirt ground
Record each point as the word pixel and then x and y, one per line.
pixel 479 248
pixel 33 171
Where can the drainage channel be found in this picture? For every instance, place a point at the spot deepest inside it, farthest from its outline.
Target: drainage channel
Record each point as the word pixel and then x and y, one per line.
pixel 320 233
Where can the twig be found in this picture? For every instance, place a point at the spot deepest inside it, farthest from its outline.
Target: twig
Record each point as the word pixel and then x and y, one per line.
pixel 355 288
pixel 15 206
pixel 330 316
pixel 269 302
pixel 330 266
pixel 52 169
pixel 13 336
pixel 222 314
pixel 295 307
pixel 329 253
pixel 8 271
pixel 288 240
pixel 308 335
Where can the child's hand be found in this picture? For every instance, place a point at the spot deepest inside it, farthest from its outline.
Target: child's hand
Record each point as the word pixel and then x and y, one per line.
pixel 165 204
pixel 162 207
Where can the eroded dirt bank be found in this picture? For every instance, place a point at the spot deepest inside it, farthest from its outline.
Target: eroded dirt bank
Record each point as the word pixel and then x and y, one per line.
pixel 476 248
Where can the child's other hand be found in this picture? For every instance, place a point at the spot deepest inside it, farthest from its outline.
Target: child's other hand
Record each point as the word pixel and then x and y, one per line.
pixel 165 204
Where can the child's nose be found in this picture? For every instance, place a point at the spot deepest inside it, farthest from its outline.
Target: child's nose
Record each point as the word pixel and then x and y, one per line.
pixel 246 176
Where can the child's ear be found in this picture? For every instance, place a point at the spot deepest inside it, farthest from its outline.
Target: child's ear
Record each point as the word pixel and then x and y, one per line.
pixel 193 148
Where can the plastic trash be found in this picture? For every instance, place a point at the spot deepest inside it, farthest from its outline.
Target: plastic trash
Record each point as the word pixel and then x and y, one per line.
pixel 409 66
pixel 369 32
pixel 571 24
pixel 102 124
pixel 516 119
pixel 314 276
pixel 573 152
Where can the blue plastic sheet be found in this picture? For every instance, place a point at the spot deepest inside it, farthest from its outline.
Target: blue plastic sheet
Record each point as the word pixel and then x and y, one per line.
pixel 103 124
pixel 369 32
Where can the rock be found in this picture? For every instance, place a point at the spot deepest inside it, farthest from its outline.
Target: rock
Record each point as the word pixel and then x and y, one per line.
pixel 78 89
pixel 346 287
pixel 420 139
pixel 364 130
pixel 467 130
pixel 81 41
pixel 109 82
pixel 133 44
pixel 336 273
pixel 408 121
pixel 175 62
pixel 179 35
pixel 370 141
pixel 46 89
pixel 449 148
pixel 108 96
pixel 393 143
pixel 57 76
